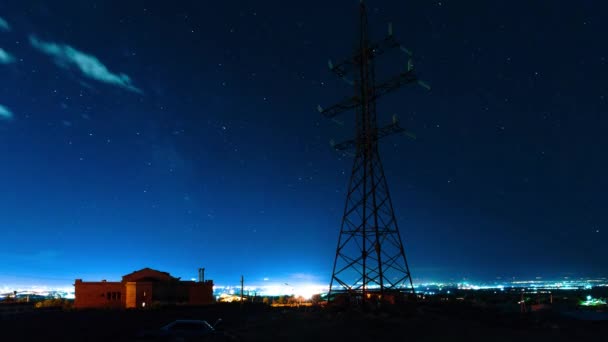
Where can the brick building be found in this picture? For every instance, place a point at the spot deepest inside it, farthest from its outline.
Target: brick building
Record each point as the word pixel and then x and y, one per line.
pixel 141 289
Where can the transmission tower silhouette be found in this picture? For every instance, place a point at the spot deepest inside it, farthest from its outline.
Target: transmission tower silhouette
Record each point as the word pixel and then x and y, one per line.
pixel 370 258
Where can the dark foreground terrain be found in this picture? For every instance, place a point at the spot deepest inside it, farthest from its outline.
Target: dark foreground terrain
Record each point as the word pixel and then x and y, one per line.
pixel 423 322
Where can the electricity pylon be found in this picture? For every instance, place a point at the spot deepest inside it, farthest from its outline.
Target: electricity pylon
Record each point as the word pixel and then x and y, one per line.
pixel 370 257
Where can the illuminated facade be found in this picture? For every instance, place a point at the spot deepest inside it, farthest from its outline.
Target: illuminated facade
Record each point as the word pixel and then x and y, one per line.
pixel 141 289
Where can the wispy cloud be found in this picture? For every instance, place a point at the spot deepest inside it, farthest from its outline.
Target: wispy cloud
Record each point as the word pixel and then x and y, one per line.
pixel 89 65
pixel 5 57
pixel 4 26
pixel 5 113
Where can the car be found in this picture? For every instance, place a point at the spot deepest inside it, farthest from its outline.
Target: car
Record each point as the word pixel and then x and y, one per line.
pixel 184 330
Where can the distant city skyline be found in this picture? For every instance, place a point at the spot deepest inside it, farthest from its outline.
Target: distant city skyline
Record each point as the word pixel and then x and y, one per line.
pixel 308 290
pixel 51 283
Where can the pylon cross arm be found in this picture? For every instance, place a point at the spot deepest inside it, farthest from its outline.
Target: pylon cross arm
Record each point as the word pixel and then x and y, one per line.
pixel 373 50
pixel 394 83
pixel 343 106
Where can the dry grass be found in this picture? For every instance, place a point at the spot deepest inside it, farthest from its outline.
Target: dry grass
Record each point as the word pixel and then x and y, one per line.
pixel 263 323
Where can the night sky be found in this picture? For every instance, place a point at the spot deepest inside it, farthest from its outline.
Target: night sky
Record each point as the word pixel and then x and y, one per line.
pixel 184 134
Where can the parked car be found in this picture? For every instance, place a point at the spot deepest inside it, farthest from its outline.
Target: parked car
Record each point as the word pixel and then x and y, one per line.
pixel 185 330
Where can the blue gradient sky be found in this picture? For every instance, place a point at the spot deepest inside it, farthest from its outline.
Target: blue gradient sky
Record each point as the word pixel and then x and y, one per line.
pixel 183 134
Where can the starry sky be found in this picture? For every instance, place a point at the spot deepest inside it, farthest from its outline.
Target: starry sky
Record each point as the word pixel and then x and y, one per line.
pixel 183 134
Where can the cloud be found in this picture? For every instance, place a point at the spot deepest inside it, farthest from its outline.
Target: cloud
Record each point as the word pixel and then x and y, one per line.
pixel 5 113
pixel 89 65
pixel 5 57
pixel 4 26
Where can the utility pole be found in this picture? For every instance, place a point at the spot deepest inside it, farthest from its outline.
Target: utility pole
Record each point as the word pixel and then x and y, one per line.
pixel 242 287
pixel 370 257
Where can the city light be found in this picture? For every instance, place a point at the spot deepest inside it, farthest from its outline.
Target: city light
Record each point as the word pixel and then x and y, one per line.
pixel 593 301
pixel 307 290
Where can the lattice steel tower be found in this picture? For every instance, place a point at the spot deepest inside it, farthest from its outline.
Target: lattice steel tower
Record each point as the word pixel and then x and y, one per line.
pixel 370 257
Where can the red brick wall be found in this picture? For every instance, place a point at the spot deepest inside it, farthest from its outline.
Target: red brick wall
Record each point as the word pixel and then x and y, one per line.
pixel 201 293
pixel 99 294
pixel 166 290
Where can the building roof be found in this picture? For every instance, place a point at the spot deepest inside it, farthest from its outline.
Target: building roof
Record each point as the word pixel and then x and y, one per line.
pixel 148 274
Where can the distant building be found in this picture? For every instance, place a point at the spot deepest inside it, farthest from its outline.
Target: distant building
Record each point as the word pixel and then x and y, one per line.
pixel 141 289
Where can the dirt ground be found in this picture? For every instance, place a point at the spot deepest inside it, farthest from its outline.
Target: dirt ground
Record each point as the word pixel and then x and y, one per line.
pixel 262 323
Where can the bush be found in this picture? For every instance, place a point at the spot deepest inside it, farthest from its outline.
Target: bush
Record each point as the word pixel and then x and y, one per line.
pixel 54 303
